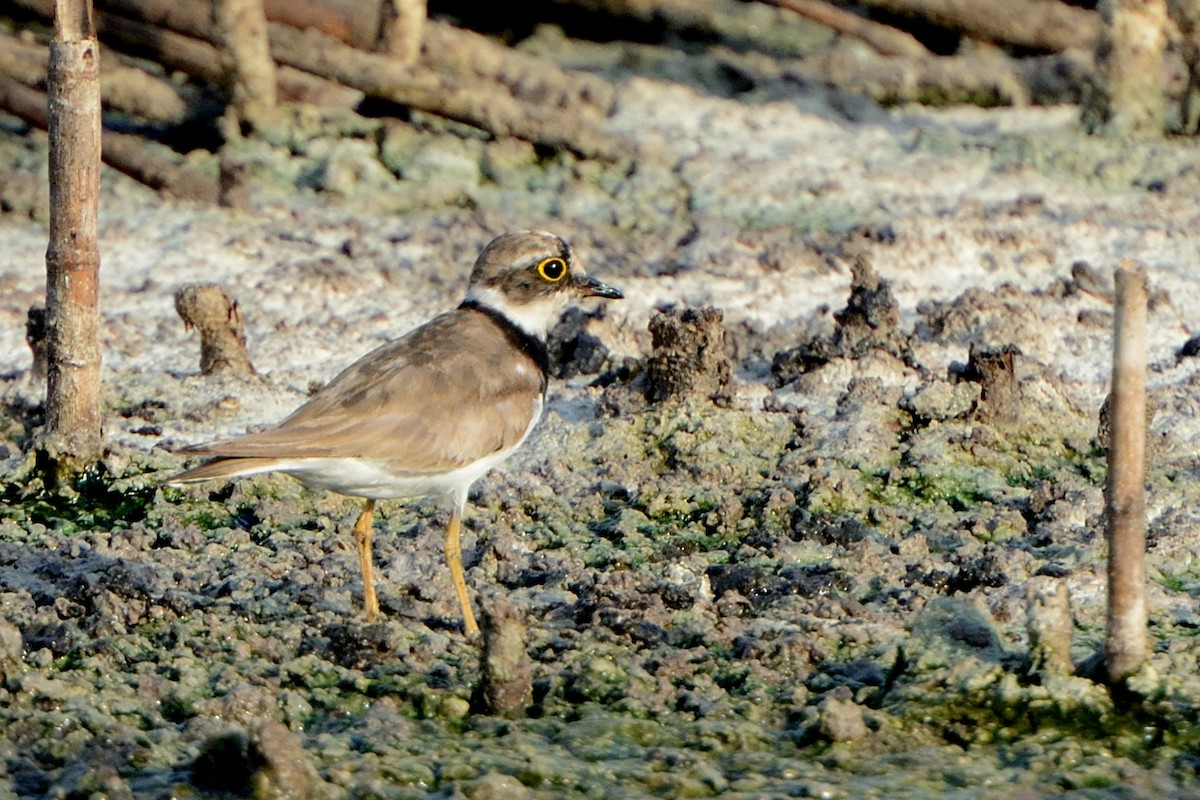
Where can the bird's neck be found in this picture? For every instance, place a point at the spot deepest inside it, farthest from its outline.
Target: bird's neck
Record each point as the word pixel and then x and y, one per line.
pixel 533 318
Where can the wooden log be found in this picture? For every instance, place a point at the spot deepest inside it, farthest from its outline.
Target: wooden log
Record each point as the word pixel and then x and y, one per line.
pixel 449 51
pixel 202 60
pixel 477 60
pixel 156 167
pixel 72 442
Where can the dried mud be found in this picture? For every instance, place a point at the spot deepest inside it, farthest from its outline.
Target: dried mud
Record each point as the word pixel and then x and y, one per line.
pixel 813 560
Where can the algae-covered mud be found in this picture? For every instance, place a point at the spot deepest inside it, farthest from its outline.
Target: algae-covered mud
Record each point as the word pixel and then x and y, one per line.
pixel 841 538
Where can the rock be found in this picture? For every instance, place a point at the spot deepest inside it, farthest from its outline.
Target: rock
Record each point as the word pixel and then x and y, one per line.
pixel 350 167
pixel 871 318
pixel 869 322
pixel 940 400
pixel 574 351
pixel 1154 447
pixel 840 718
pixel 951 630
pixel 89 779
pixel 1088 279
pixel 225 764
pixel 497 786
pixel 12 649
pixel 286 773
pixel 1190 348
pixel 269 764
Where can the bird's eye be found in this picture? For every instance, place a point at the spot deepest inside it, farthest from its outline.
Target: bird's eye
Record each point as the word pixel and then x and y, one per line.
pixel 552 269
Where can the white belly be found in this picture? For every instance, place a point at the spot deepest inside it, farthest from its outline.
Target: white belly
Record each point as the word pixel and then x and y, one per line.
pixel 379 480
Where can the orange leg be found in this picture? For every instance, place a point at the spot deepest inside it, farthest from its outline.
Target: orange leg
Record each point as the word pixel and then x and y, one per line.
pixel 362 537
pixel 454 559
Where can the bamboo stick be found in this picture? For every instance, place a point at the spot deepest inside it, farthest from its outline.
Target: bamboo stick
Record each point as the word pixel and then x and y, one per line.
pixel 401 23
pixel 1129 100
pixel 72 442
pixel 1126 638
pixel 240 29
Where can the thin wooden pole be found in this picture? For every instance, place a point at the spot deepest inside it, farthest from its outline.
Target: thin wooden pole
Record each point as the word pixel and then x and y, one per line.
pixel 1129 100
pixel 240 31
pixel 72 441
pixel 401 24
pixel 1126 640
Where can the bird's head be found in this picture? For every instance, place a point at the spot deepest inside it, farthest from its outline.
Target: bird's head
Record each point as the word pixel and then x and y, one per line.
pixel 530 277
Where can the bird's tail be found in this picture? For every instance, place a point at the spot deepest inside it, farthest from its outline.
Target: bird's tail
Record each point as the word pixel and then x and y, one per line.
pixel 223 467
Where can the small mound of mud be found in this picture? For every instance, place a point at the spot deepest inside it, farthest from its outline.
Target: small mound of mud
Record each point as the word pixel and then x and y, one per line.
pixel 688 358
pixel 870 321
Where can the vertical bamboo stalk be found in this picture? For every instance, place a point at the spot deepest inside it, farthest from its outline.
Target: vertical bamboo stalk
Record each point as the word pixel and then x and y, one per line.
pixel 240 31
pixel 1129 100
pixel 1126 639
pixel 72 441
pixel 401 25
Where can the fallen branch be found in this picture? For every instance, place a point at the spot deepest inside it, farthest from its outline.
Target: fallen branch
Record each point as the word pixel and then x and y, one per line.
pixel 884 39
pixel 446 51
pixel 198 58
pixel 987 80
pixel 481 106
pixel 477 60
pixel 141 160
pixel 202 60
pixel 461 75
pixel 1045 25
pixel 127 90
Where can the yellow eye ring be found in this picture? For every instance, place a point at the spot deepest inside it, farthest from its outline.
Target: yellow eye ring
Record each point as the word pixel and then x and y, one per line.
pixel 552 269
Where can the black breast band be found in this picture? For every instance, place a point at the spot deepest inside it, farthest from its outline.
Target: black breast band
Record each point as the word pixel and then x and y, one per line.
pixel 519 338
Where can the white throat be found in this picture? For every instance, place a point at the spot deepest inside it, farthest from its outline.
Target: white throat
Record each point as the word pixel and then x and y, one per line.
pixel 534 318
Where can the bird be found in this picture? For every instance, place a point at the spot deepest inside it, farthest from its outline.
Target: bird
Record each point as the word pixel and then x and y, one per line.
pixel 428 413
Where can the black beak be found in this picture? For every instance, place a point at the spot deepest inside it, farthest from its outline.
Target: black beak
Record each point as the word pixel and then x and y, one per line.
pixel 590 287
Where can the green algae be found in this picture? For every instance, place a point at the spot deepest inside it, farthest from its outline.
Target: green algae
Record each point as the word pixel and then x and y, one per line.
pixel 95 500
